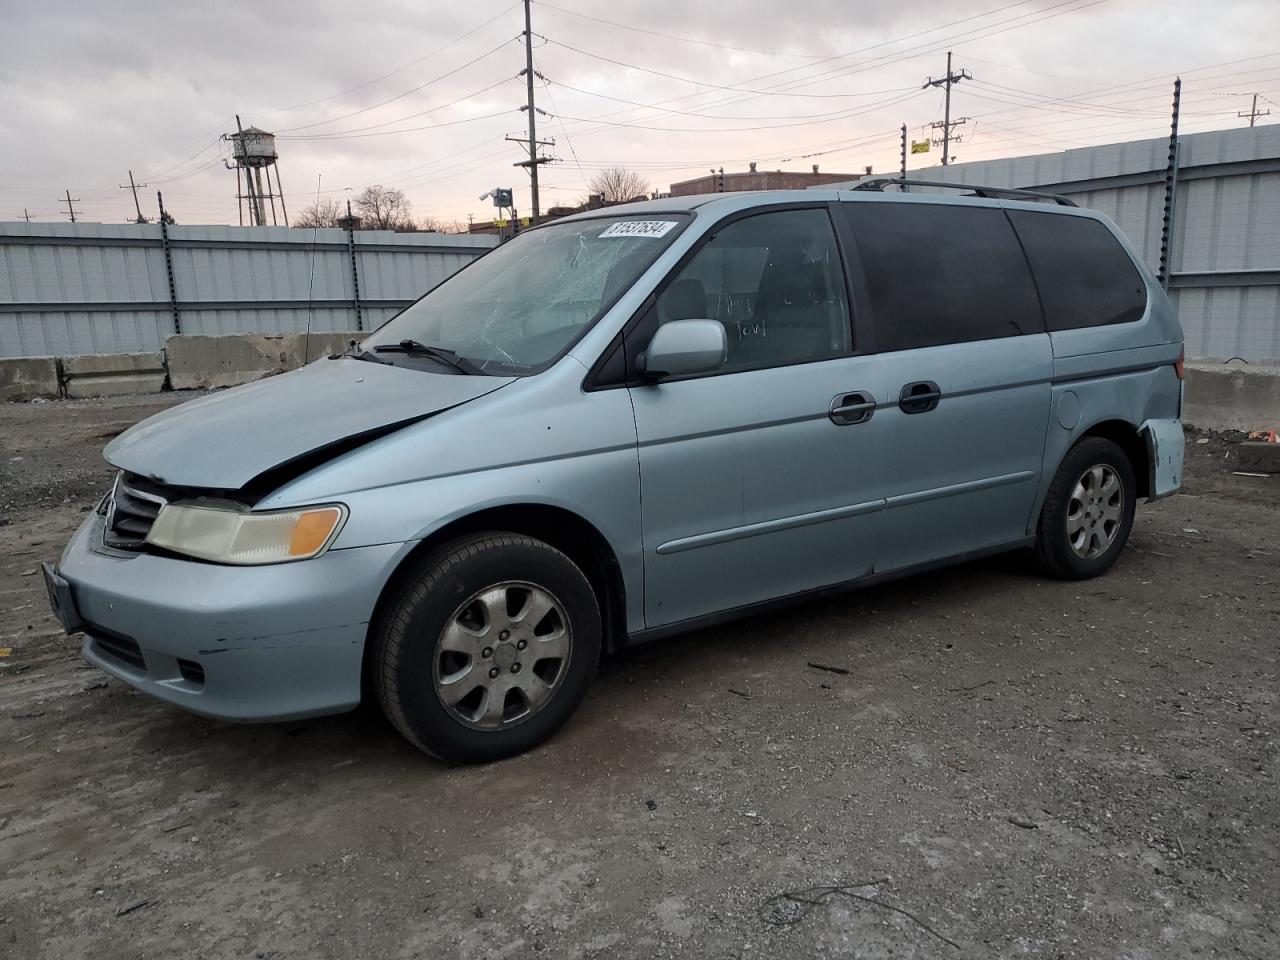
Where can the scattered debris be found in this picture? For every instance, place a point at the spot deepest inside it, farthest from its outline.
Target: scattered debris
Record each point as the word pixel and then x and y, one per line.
pixel 125 911
pixel 739 693
pixel 175 829
pixel 976 686
pixel 1022 822
pixel 789 908
pixel 6 651
pixel 822 666
pixel 651 804
pixel 28 573
pixel 479 914
pixel 1249 473
pixel 1191 530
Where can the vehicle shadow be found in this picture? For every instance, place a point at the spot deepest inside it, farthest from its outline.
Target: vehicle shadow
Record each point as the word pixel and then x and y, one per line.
pixel 328 746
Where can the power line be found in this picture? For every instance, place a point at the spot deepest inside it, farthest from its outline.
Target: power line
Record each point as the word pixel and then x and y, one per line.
pixel 400 69
pixel 398 96
pixel 788 87
pixel 387 133
pixel 679 39
pixel 409 116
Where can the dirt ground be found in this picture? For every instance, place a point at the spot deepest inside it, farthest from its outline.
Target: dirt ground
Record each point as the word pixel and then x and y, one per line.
pixel 1010 767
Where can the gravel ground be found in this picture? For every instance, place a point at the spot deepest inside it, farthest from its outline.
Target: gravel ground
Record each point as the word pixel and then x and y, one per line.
pixel 999 765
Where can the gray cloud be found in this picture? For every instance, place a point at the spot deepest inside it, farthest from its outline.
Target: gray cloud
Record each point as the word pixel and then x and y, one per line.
pixel 92 90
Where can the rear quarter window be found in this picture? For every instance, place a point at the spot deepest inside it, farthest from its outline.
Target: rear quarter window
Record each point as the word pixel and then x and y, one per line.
pixel 1085 277
pixel 938 274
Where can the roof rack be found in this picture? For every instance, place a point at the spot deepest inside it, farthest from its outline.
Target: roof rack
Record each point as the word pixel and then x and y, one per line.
pixel 879 183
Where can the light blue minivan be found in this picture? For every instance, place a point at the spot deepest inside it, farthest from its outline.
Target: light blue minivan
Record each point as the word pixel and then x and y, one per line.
pixel 625 424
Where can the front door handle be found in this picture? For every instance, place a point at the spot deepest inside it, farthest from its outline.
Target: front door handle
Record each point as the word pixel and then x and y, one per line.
pixel 850 408
pixel 919 397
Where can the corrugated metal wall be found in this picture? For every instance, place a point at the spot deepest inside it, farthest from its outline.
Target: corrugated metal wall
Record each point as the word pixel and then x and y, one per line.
pixel 1225 250
pixel 104 288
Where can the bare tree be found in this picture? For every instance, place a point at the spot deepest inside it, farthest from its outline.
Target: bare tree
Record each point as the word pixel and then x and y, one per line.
pixel 322 213
pixel 618 185
pixel 383 208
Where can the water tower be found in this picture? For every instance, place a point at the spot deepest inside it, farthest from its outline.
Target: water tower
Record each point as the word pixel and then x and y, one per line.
pixel 253 152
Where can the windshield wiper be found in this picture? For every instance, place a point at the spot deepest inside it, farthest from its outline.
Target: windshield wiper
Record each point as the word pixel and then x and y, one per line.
pixel 444 355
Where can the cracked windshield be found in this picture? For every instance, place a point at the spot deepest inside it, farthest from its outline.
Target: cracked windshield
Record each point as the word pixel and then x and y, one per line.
pixel 518 308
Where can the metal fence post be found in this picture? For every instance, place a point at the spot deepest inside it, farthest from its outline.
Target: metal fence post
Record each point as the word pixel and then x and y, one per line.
pixel 355 275
pixel 168 265
pixel 1170 192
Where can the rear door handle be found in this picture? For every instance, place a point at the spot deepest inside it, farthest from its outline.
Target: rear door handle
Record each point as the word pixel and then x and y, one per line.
pixel 850 408
pixel 919 397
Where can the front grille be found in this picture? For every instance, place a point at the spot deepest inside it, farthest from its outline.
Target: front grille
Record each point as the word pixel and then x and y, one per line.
pixel 132 509
pixel 117 647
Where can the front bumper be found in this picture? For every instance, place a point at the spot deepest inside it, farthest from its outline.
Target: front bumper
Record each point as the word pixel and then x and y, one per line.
pixel 239 643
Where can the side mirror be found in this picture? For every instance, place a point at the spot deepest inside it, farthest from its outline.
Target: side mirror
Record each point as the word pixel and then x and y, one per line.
pixel 683 347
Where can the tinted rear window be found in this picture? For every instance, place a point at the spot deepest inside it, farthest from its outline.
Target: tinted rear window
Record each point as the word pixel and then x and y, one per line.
pixel 1086 278
pixel 939 274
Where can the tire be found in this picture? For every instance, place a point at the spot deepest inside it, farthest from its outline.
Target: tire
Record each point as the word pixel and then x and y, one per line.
pixel 1085 520
pixel 486 648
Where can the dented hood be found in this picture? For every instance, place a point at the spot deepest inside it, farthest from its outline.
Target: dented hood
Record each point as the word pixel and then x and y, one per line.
pixel 227 439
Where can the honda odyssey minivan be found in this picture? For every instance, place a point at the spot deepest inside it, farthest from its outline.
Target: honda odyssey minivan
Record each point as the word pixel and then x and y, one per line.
pixel 629 423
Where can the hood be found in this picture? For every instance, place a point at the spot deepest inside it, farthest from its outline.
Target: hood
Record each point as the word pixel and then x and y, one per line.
pixel 227 439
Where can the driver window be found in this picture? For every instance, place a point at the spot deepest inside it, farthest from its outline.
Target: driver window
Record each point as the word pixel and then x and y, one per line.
pixel 776 283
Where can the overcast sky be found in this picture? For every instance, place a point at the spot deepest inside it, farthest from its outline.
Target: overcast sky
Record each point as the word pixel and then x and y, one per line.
pixel 419 95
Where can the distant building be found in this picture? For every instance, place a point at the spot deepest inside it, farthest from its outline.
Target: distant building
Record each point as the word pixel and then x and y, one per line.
pixel 718 181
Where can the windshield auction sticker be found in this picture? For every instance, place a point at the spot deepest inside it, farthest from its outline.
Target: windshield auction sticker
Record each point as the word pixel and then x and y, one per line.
pixel 639 228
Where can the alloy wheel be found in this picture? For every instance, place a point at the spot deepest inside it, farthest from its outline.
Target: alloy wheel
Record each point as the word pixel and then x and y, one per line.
pixel 1095 511
pixel 502 655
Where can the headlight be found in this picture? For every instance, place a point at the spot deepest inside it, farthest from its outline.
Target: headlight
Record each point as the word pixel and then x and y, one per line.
pixel 226 535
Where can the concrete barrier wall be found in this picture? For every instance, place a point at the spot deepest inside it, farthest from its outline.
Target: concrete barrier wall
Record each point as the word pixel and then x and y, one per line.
pixel 1218 396
pixel 29 378
pixel 1232 396
pixel 112 374
pixel 201 363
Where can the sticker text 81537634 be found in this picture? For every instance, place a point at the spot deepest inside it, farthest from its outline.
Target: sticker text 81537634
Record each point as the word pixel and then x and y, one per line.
pixel 639 228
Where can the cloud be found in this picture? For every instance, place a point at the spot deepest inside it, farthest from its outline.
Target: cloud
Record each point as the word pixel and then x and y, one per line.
pixel 91 91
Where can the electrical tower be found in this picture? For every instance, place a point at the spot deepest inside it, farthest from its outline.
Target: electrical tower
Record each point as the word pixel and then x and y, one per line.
pixel 947 125
pixel 71 210
pixel 531 142
pixel 1253 113
pixel 134 188
pixel 254 152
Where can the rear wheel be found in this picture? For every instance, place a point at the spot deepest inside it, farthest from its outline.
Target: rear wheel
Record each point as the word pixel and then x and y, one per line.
pixel 1088 511
pixel 487 648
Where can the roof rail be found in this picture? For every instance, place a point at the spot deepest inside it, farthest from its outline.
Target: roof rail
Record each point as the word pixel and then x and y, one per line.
pixel 879 183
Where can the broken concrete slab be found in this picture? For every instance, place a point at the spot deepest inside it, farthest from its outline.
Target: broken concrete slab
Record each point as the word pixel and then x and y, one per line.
pixel 1258 457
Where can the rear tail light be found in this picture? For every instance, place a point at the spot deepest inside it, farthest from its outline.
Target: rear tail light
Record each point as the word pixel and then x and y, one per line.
pixel 1180 367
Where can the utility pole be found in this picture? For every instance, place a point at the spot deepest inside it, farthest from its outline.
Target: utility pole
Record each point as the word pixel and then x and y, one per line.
pixel 902 167
pixel 134 187
pixel 947 82
pixel 533 143
pixel 1253 113
pixel 26 216
pixel 70 209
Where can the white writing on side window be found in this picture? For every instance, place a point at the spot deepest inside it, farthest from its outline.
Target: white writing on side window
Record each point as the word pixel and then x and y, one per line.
pixel 639 228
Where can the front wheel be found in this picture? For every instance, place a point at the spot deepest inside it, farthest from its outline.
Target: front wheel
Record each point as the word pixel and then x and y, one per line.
pixel 1088 511
pixel 488 647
